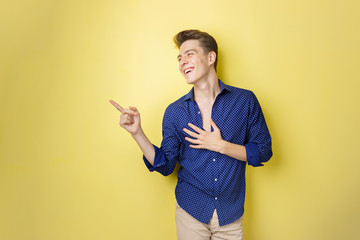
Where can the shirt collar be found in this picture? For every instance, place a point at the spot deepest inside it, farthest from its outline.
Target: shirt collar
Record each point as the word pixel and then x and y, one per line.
pixel 223 88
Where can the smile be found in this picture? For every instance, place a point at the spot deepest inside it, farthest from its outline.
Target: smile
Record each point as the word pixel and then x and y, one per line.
pixel 187 70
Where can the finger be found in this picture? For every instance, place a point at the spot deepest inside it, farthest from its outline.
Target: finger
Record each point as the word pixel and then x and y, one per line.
pixel 192 134
pixel 133 108
pixel 196 146
pixel 212 123
pixel 130 112
pixel 118 107
pixel 194 141
pixel 126 116
pixel 195 128
pixel 125 122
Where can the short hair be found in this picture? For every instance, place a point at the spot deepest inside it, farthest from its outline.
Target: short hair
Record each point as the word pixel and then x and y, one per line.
pixel 207 42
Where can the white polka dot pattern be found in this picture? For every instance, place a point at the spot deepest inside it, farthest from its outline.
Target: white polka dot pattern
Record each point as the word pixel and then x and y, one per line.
pixel 207 179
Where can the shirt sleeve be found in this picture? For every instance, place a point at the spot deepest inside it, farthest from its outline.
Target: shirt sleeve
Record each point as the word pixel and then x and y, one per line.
pixel 258 146
pixel 167 155
pixel 159 160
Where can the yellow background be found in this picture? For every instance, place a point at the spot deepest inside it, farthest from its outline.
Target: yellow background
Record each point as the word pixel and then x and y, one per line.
pixel 68 171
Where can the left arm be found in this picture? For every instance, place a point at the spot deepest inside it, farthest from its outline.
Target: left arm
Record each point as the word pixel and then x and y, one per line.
pixel 258 142
pixel 214 142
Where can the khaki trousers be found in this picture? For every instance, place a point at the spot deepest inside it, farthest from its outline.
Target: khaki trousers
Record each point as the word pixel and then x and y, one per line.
pixel 188 228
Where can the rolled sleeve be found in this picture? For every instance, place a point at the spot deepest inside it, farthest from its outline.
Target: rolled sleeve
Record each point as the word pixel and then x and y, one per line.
pixel 258 147
pixel 159 159
pixel 252 155
pixel 166 156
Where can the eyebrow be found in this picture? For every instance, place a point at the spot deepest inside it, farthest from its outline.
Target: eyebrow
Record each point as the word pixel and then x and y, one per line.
pixel 189 50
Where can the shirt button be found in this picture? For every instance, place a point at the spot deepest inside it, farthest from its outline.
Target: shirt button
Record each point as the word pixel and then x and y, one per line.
pixel 214 160
pixel 215 198
pixel 198 112
pixel 215 179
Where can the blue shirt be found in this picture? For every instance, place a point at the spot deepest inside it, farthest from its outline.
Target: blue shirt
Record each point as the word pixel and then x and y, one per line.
pixel 208 179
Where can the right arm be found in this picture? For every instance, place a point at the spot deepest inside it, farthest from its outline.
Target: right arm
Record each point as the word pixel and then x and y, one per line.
pixel 130 121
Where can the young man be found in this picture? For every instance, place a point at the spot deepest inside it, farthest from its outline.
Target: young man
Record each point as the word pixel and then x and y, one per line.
pixel 213 132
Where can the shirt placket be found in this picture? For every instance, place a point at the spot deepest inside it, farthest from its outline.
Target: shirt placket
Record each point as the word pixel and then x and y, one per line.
pixel 212 158
pixel 215 160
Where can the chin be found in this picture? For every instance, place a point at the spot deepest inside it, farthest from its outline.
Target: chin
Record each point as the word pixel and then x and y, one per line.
pixel 190 81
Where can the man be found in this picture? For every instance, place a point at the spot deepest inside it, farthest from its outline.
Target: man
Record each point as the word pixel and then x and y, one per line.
pixel 212 131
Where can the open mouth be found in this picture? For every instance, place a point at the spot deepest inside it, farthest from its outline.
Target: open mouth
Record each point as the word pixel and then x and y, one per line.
pixel 188 70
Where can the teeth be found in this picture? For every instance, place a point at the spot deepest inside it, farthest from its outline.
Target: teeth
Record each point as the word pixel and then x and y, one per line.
pixel 187 70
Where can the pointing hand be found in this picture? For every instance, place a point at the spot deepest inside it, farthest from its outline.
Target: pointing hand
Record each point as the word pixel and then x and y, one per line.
pixel 129 118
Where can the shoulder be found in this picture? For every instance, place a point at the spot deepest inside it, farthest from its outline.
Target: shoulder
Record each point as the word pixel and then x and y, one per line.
pixel 175 108
pixel 178 104
pixel 241 93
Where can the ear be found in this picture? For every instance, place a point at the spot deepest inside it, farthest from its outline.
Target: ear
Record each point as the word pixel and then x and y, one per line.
pixel 211 57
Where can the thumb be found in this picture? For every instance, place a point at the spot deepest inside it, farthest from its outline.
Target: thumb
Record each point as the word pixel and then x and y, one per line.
pixel 134 109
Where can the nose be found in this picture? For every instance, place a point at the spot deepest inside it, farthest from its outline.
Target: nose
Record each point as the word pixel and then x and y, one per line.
pixel 183 60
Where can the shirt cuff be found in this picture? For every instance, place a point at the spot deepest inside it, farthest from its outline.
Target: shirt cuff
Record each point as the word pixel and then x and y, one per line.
pixel 159 159
pixel 252 155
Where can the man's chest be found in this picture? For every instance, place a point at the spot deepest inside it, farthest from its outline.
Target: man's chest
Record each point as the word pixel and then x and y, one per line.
pixel 205 112
pixel 232 120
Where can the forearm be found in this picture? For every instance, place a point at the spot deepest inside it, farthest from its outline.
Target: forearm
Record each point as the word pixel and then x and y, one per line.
pixel 233 150
pixel 145 145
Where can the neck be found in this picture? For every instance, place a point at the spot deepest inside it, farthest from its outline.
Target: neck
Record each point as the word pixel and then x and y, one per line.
pixel 207 89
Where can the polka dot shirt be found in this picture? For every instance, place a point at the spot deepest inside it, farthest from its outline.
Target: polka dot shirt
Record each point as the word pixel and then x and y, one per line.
pixel 208 180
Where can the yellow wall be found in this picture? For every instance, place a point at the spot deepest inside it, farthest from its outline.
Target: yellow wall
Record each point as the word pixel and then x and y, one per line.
pixel 68 171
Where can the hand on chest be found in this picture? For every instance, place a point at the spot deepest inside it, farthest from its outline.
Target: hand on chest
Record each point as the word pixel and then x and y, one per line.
pixel 231 123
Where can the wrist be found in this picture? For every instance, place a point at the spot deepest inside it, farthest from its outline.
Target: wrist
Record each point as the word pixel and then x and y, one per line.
pixel 138 133
pixel 221 146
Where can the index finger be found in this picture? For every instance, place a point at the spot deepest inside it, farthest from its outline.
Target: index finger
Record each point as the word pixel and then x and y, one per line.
pixel 199 130
pixel 118 107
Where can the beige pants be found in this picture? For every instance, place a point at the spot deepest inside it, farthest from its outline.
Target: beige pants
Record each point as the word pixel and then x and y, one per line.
pixel 188 228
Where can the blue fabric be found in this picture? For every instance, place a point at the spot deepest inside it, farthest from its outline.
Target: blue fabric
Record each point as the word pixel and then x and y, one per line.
pixel 207 179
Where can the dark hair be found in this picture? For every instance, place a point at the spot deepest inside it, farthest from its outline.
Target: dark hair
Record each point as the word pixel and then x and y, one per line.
pixel 207 42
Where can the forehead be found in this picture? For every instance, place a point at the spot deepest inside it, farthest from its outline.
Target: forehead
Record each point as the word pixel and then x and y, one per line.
pixel 189 45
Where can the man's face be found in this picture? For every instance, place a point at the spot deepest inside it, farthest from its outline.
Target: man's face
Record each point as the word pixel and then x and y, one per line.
pixel 194 63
